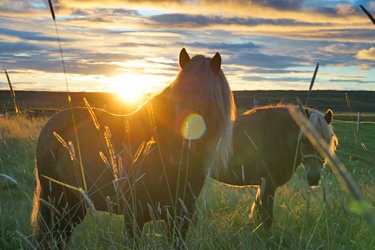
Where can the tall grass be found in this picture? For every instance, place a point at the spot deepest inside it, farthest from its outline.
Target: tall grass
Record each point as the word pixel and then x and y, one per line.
pixel 18 137
pixel 328 223
pixel 320 218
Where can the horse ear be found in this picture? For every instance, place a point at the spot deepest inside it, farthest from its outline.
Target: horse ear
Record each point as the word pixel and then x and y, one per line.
pixel 184 58
pixel 329 116
pixel 216 63
pixel 307 113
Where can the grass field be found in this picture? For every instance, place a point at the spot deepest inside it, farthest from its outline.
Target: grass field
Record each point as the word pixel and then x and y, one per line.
pixel 305 218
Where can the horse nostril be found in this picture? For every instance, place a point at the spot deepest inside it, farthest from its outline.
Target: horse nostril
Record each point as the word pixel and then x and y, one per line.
pixel 313 179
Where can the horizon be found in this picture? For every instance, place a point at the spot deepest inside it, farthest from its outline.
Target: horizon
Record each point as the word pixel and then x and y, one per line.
pixel 273 45
pixel 246 90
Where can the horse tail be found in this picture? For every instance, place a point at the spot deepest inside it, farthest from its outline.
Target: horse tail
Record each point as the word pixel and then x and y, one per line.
pixel 35 219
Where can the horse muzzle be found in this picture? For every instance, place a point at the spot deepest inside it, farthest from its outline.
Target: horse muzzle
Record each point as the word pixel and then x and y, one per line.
pixel 313 179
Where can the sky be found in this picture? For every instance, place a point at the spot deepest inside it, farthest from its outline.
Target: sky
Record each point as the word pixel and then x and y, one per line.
pixel 132 46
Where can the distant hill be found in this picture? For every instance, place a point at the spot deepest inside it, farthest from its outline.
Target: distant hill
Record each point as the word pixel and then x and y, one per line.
pixel 360 101
pixel 27 100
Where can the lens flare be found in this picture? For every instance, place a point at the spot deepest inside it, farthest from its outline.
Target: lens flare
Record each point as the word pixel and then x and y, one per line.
pixel 193 127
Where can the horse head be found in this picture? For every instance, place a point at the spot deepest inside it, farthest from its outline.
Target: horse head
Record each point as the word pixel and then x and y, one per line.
pixel 203 106
pixel 311 159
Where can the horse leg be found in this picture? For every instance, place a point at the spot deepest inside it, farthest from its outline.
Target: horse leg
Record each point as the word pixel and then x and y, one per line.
pixel 59 211
pixel 263 204
pixel 256 208
pixel 267 206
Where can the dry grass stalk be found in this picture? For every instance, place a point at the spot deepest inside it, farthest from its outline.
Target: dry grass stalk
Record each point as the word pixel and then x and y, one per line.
pixel 51 9
pixel 25 240
pixel 13 181
pixel 68 95
pixel 12 93
pixel 312 82
pixel 92 114
pixel 87 199
pixel 111 152
pixel 69 146
pixel 368 14
pixel 348 102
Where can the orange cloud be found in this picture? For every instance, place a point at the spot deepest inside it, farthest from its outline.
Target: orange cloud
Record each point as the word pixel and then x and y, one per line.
pixel 366 54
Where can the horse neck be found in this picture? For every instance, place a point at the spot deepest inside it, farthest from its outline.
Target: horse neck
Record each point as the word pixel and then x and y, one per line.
pixel 142 123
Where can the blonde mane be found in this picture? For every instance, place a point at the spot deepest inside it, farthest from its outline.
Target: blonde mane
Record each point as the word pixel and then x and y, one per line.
pixel 199 89
pixel 324 129
pixel 270 106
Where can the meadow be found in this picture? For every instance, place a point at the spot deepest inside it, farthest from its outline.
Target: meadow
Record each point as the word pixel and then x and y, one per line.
pixel 322 218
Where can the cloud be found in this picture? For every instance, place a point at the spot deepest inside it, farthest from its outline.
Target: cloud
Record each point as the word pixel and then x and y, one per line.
pixel 345 9
pixel 261 60
pixel 181 19
pixel 277 4
pixel 366 54
pixel 339 48
pixel 195 21
pixel 17 47
pixel 283 4
pixel 259 40
pixel 11 8
pixel 223 46
pixel 352 81
pixel 29 35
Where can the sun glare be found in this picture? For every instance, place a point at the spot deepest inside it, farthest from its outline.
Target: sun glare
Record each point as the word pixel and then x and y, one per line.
pixel 133 88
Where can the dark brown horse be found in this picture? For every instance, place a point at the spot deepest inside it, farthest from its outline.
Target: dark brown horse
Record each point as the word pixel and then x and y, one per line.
pixel 268 147
pixel 148 165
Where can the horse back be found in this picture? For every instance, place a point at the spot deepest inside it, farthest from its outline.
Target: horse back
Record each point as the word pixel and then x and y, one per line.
pixel 264 142
pixel 73 140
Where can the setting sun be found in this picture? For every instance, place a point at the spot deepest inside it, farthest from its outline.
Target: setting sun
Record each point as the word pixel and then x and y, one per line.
pixel 133 88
